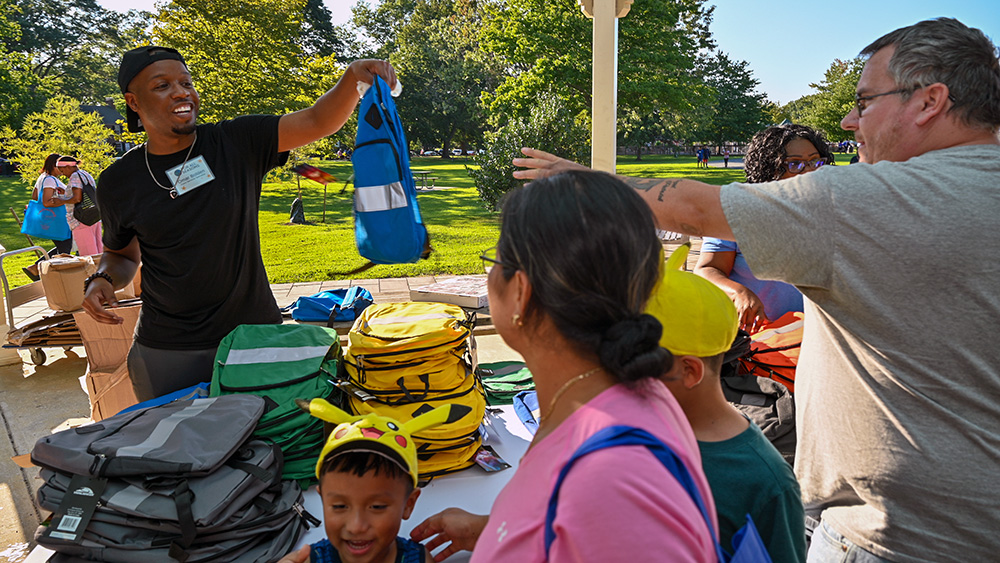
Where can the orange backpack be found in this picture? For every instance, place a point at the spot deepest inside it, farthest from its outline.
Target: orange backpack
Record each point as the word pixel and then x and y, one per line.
pixel 774 351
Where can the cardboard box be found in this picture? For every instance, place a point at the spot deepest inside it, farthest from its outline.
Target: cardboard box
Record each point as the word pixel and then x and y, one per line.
pixel 107 381
pixel 109 391
pixel 464 291
pixel 62 278
pixel 130 291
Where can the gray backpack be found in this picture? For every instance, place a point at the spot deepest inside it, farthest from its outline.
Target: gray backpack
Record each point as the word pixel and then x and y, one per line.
pixel 180 482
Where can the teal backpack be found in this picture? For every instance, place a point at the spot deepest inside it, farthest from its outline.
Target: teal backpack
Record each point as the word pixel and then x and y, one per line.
pixel 282 363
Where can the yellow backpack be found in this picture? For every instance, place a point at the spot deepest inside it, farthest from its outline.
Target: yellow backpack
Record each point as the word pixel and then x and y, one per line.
pixel 405 359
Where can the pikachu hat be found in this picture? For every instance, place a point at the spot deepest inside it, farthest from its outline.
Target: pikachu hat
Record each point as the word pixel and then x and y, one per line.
pixel 377 434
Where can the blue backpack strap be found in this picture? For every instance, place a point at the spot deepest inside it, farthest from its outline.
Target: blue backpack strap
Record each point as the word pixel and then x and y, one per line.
pixel 630 436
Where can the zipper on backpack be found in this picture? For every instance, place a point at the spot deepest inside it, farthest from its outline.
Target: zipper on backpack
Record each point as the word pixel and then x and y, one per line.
pixel 305 515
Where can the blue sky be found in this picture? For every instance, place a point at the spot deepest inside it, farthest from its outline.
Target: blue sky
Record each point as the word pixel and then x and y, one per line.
pixel 789 44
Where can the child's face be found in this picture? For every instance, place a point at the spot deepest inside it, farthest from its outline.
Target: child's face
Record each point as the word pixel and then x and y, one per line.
pixel 362 514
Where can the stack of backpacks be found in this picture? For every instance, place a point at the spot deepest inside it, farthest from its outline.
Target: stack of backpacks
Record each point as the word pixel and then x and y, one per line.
pixel 282 363
pixel 184 481
pixel 404 359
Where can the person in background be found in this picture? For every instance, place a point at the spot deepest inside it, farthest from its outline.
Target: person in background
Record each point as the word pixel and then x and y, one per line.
pixel 776 153
pixel 899 377
pixel 568 280
pixel 747 474
pixel 186 203
pixel 87 237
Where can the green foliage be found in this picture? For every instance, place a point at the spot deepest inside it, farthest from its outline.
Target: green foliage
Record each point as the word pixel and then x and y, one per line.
pixel 381 24
pixel 460 228
pixel 546 44
pixel 833 99
pixel 443 73
pixel 74 46
pixel 61 128
pixel 18 87
pixel 246 56
pixel 549 126
pixel 737 108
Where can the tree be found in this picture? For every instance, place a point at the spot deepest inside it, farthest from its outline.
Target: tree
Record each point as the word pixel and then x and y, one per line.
pixel 240 69
pixel 834 98
pixel 382 24
pixel 737 108
pixel 443 73
pixel 545 44
pixel 73 46
pixel 18 89
pixel 60 128
pixel 550 126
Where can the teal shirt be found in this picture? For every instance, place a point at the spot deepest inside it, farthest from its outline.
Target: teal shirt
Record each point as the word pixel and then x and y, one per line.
pixel 749 476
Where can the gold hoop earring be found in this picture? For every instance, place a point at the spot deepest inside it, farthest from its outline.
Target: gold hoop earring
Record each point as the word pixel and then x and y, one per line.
pixel 515 319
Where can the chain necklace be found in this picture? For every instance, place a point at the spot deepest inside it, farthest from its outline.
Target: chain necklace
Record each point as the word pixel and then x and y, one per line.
pixel 565 387
pixel 173 191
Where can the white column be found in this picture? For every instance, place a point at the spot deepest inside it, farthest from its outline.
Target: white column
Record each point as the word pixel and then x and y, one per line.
pixel 605 87
pixel 604 109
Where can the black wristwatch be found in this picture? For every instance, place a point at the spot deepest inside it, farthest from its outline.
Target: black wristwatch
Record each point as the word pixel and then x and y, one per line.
pixel 94 276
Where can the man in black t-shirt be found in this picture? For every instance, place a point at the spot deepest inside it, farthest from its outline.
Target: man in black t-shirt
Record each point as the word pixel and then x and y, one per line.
pixel 185 204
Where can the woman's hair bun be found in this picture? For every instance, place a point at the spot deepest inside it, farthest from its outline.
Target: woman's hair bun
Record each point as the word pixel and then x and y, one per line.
pixel 631 350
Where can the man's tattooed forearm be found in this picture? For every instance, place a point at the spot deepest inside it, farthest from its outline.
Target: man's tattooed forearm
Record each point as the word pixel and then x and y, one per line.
pixel 667 185
pixel 641 184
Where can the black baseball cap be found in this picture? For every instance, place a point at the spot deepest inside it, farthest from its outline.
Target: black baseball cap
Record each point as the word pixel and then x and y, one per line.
pixel 132 64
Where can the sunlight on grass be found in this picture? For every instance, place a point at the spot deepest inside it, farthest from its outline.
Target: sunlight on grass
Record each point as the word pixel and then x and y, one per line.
pixel 459 226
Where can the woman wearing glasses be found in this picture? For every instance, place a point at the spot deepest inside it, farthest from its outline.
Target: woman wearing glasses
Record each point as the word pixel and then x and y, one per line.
pixel 775 153
pixel 567 286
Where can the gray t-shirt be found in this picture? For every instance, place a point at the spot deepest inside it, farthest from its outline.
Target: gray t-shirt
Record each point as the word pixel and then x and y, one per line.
pixel 898 384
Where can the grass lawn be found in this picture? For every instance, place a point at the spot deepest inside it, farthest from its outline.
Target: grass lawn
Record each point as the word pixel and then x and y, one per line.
pixel 459 226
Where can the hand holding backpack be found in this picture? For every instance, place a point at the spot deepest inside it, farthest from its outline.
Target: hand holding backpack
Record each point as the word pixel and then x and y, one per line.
pixel 387 222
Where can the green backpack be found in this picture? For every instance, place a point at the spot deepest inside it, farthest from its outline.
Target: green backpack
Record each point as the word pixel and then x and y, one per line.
pixel 503 380
pixel 282 363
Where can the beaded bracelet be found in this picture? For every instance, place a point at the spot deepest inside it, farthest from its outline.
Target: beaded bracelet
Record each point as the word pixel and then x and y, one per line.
pixel 94 276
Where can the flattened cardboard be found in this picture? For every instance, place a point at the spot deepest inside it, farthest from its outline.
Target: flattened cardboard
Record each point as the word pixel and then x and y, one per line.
pixel 107 381
pixel 107 345
pixel 109 392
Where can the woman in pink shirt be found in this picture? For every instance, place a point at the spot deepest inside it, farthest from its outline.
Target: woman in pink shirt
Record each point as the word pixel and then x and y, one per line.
pixel 576 261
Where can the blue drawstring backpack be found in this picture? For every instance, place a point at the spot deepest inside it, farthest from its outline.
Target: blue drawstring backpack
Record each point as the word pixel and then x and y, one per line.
pixel 331 306
pixel 387 222
pixel 747 543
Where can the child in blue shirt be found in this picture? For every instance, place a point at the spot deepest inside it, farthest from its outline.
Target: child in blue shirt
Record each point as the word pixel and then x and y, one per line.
pixel 367 481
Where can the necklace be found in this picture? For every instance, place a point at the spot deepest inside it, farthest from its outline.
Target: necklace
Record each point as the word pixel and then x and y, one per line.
pixel 173 191
pixel 566 386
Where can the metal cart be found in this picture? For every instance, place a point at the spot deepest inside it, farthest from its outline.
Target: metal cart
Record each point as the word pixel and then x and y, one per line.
pixel 57 330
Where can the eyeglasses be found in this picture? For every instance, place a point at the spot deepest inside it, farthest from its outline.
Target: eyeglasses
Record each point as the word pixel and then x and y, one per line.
pixel 799 166
pixel 861 107
pixel 489 257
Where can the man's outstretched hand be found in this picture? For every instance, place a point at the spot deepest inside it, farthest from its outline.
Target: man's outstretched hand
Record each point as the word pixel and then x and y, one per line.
pixel 541 164
pixel 366 69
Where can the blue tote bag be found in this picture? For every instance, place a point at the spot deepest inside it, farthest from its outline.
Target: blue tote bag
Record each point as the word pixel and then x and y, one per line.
pixel 45 222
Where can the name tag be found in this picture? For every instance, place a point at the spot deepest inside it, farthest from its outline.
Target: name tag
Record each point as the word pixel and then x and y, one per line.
pixel 196 173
